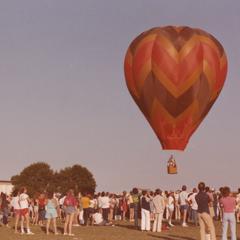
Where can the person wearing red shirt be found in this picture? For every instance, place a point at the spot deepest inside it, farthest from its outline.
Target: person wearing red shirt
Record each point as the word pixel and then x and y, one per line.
pixel 228 204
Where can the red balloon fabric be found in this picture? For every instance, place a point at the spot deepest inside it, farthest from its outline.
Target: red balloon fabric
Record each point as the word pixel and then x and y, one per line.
pixel 174 75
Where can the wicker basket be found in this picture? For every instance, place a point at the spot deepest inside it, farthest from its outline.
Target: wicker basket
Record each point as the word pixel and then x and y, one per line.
pixel 172 169
pixel 172 166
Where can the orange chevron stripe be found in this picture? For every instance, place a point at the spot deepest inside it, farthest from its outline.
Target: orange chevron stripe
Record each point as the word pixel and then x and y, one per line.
pixel 164 61
pixel 129 74
pixel 211 77
pixel 176 91
pixel 177 72
pixel 142 75
pixel 190 63
pixel 213 60
pixel 207 41
pixel 145 39
pixel 167 45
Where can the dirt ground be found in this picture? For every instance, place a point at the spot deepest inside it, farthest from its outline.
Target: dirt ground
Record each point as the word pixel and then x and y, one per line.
pixel 121 231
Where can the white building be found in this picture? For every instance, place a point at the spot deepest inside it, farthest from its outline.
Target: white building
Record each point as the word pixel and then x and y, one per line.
pixel 6 187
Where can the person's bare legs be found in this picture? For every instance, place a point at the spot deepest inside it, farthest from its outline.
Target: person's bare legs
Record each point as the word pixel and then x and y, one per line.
pixel 47 225
pixel 28 222
pixel 66 223
pixel 22 227
pixel 55 225
pixel 16 223
pixel 70 223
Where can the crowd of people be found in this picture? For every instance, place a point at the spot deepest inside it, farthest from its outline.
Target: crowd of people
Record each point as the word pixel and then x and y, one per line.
pixel 147 210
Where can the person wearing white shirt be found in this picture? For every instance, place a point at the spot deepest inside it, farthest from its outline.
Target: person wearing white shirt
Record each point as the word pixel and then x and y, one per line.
pixel 98 220
pixel 24 204
pixel 177 206
pixel 16 208
pixel 194 206
pixel 183 196
pixel 104 204
pixel 170 207
pixel 159 206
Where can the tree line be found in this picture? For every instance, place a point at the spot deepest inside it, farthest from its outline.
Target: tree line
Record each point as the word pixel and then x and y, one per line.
pixel 39 177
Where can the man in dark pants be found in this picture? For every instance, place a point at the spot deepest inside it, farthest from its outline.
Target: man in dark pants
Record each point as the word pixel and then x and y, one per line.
pixel 135 197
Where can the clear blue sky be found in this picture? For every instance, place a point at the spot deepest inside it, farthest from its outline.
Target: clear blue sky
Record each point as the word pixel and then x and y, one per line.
pixel 63 98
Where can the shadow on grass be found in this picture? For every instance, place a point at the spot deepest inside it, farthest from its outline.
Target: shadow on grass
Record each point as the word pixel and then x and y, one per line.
pixel 131 227
pixel 59 229
pixel 171 237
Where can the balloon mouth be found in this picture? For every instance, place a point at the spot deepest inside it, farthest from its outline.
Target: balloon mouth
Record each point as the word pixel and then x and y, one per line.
pixel 174 144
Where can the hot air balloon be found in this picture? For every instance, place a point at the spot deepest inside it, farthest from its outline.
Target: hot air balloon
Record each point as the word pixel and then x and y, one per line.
pixel 175 74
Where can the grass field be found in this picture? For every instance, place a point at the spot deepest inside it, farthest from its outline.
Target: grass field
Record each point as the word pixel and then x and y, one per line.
pixel 121 231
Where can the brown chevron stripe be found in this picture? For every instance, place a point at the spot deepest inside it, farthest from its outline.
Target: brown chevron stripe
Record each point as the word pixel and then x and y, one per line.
pixel 178 39
pixel 153 89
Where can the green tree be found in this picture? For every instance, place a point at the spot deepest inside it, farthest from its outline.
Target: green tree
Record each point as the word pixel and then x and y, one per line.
pixel 76 177
pixel 37 177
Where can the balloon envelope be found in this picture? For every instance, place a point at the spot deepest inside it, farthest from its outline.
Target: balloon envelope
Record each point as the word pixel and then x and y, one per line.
pixel 174 75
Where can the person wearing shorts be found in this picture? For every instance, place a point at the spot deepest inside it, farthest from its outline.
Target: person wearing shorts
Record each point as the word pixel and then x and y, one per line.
pixel 24 213
pixel 51 212
pixel 70 207
pixel 183 196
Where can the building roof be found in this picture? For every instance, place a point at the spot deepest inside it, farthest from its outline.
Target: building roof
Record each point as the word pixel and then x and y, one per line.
pixel 5 181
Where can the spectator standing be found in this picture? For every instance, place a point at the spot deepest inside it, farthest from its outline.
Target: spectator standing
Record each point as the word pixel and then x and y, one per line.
pixel 24 211
pixel 113 203
pixel 204 218
pixel 136 200
pixel 104 204
pixel 238 205
pixel 228 203
pixel 51 212
pixel 194 206
pixel 4 209
pixel 123 205
pixel 183 196
pixel 177 205
pixel 145 212
pixel 170 207
pixel 159 206
pixel 85 201
pixel 41 208
pixel 130 207
pixel 16 208
pixel 70 207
